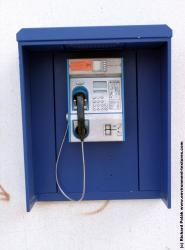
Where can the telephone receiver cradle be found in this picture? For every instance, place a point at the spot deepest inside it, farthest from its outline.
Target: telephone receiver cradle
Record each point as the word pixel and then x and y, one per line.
pixel 81 126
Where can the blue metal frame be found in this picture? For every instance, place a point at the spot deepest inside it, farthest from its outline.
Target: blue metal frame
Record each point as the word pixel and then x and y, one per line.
pixel 30 194
pixel 58 39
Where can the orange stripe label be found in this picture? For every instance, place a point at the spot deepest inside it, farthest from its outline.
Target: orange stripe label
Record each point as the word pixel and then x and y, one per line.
pixel 81 65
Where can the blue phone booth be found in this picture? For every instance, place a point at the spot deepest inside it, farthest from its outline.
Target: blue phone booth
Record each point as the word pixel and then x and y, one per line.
pixel 138 167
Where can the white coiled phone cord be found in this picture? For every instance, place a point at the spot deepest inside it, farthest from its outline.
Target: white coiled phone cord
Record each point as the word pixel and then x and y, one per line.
pixel 84 168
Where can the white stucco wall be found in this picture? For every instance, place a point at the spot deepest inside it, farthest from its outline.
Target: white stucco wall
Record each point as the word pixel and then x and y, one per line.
pixel 123 225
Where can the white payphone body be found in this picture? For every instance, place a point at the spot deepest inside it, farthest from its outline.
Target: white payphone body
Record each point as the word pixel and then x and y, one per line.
pixel 100 80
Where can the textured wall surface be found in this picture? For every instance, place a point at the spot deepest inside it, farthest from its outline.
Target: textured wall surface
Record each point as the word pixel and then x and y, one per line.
pixel 128 225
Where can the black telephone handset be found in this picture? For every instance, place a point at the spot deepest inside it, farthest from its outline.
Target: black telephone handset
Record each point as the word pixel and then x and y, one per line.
pixel 81 129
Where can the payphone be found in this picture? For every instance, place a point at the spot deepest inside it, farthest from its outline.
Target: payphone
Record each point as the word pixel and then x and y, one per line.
pixel 95 105
pixel 69 70
pixel 96 94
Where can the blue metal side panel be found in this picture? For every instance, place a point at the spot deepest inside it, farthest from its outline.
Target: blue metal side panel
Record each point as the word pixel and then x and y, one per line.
pixel 101 32
pixel 26 123
pixel 110 166
pixel 166 123
pixel 43 121
pixel 149 113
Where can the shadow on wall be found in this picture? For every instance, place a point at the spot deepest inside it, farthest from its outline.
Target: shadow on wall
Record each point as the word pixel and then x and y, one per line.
pixel 4 196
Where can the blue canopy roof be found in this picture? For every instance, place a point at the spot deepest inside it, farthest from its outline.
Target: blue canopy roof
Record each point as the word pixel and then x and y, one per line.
pixel 92 32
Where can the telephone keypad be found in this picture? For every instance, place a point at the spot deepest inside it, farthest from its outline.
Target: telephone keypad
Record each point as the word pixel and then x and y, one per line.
pixel 102 107
pixel 100 104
